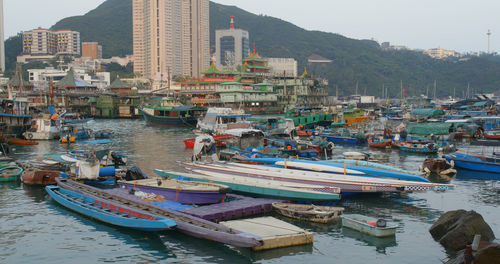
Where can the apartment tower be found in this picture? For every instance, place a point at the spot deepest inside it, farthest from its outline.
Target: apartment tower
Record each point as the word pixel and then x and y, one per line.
pixel 232 46
pixel 170 37
pixel 2 47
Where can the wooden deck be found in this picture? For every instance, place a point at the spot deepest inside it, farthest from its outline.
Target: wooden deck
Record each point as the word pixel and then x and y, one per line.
pixel 274 232
pixel 242 207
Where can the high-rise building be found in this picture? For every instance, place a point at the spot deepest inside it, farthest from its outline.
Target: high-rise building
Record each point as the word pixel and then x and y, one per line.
pixel 232 46
pixel 42 41
pixel 170 37
pixel 2 47
pixel 92 50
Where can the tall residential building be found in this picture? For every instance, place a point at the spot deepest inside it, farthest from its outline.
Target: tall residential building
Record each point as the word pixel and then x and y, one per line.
pixel 2 47
pixel 232 46
pixel 92 50
pixel 170 37
pixel 42 41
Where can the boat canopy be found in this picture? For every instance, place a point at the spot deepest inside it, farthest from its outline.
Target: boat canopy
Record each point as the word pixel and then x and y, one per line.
pixel 429 112
pixel 425 129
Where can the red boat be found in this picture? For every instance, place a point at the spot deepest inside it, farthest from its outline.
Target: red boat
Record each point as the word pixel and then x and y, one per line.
pixel 304 133
pixel 379 143
pixel 220 141
pixel 39 177
pixel 493 134
pixel 20 142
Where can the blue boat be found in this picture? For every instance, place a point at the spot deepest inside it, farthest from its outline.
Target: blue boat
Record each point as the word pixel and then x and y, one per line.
pixel 108 212
pixel 475 162
pixel 425 148
pixel 337 139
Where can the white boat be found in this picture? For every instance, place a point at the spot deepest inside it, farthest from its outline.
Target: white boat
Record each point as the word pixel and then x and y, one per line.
pixel 218 120
pixel 315 167
pixel 43 128
pixel 369 225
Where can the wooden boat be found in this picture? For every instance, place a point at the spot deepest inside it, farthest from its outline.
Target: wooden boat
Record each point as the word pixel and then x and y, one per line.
pixel 492 134
pixel 10 173
pixel 475 162
pixel 170 112
pixel 261 187
pixel 106 211
pixel 427 148
pixel 20 142
pixel 186 192
pixel 190 225
pixel 220 141
pixel 347 183
pixel 379 143
pixel 309 212
pixel 43 177
pixel 438 166
pixel 369 225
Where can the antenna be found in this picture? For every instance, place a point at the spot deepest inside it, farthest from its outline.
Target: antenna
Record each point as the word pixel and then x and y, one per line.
pixel 489 35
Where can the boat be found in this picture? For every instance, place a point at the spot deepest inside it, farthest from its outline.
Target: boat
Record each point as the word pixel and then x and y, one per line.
pixel 369 225
pixel 475 162
pixel 74 119
pixel 70 134
pixel 307 117
pixel 187 224
pixel 10 173
pixel 45 127
pixel 19 142
pixel 420 148
pixel 309 212
pixel 171 113
pixel 105 133
pixel 34 176
pixel 107 211
pixel 218 120
pixel 492 134
pixel 185 192
pixel 437 166
pixel 379 143
pixel 268 188
pixel 220 141
pixel 15 115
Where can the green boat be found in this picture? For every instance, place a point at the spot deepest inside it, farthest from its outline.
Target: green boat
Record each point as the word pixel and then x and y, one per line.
pixel 258 190
pixel 10 173
pixel 309 117
pixel 169 112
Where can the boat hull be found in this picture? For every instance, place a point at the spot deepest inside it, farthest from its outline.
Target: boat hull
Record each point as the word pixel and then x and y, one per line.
pixel 90 208
pixel 39 177
pixel 474 165
pixel 151 120
pixel 41 135
pixel 359 223
pixel 177 195
pixel 10 173
pixel 311 213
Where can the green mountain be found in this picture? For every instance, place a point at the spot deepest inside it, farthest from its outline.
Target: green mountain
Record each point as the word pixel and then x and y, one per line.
pixel 358 62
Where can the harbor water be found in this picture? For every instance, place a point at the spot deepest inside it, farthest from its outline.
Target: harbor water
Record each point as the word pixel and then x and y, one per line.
pixel 34 229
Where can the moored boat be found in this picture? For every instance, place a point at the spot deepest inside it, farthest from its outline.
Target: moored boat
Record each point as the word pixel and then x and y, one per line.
pixel 10 173
pixel 42 177
pixel 379 143
pixel 220 141
pixel 171 113
pixel 369 225
pixel 309 212
pixel 420 148
pixel 186 192
pixel 107 211
pixel 475 162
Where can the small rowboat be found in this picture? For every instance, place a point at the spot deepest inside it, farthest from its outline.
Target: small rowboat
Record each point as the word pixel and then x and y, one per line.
pixel 21 142
pixel 220 141
pixel 106 211
pixel 369 225
pixel 379 143
pixel 186 192
pixel 10 173
pixel 39 177
pixel 309 212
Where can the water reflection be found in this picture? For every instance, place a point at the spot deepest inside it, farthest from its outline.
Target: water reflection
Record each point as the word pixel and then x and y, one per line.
pixel 380 243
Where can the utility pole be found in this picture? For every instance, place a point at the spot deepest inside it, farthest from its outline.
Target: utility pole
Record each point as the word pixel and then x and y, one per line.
pixel 435 85
pixel 489 35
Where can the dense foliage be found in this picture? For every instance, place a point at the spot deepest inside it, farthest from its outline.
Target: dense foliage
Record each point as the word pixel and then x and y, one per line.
pixel 359 62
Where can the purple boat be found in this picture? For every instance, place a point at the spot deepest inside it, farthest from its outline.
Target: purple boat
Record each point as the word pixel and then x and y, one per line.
pixel 185 192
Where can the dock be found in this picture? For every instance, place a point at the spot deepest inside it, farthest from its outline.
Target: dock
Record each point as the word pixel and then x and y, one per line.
pixel 242 207
pixel 274 232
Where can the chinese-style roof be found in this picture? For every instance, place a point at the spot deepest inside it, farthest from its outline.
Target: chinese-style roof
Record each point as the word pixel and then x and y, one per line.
pixel 213 69
pixel 117 84
pixel 70 80
pixel 18 81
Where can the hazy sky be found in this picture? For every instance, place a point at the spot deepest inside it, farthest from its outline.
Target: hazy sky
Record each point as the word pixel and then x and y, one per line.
pixel 450 24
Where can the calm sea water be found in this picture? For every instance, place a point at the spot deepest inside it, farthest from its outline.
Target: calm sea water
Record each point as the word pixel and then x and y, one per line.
pixel 34 229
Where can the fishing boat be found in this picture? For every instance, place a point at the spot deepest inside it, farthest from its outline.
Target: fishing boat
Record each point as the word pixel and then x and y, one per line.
pixel 261 187
pixel 420 148
pixel 19 142
pixel 475 162
pixel 107 211
pixel 10 173
pixel 307 117
pixel 34 176
pixel 218 120
pixel 170 112
pixel 369 225
pixel 309 212
pixel 105 133
pixel 44 128
pixel 70 134
pixel 492 134
pixel 187 224
pixel 379 143
pixel 185 192
pixel 220 141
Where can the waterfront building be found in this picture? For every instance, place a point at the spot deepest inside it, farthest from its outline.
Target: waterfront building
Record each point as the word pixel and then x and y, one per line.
pixel 283 66
pixel 170 37
pixel 92 50
pixel 72 84
pixel 253 98
pixel 440 53
pixel 255 65
pixel 231 46
pixel 40 78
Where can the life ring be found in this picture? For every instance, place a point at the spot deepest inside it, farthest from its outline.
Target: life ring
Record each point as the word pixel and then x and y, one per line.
pixel 331 145
pixel 29 135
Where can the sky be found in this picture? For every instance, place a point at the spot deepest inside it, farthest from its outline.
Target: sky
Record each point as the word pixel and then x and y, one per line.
pixel 459 25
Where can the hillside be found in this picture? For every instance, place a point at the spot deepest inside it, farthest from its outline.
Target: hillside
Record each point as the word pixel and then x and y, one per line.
pixel 355 61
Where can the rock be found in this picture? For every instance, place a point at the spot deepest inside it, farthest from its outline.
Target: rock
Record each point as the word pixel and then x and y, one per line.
pixel 488 255
pixel 456 229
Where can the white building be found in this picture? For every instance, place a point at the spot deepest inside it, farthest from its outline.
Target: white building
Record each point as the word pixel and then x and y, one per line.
pixel 231 46
pixel 440 53
pixel 288 66
pixel 41 77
